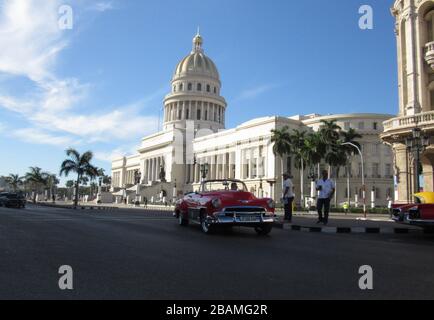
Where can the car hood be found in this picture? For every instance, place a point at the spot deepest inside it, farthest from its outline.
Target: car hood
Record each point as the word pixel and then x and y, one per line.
pixel 231 195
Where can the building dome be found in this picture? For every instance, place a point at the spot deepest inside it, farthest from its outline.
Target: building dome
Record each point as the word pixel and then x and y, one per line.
pixel 197 63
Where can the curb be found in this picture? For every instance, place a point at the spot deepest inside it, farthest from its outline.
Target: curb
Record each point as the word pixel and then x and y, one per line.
pixel 350 230
pixel 99 208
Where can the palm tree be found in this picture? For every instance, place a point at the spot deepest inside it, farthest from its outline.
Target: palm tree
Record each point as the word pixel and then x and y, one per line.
pixel 37 179
pixel 79 164
pixel 335 153
pixel 52 183
pixel 14 181
pixel 299 152
pixel 282 144
pixel 350 136
pixel 314 149
pixel 330 131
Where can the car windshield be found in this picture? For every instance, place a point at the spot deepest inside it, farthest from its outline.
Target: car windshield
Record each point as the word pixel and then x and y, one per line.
pixel 223 185
pixel 12 196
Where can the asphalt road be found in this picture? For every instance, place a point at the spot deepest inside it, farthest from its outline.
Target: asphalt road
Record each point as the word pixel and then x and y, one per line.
pixel 129 255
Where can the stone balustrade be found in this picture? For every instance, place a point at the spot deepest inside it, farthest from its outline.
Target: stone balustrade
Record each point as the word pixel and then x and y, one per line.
pixel 421 120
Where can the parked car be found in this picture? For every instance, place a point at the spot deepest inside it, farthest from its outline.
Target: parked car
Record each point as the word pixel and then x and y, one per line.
pixel 225 203
pixel 420 213
pixel 12 200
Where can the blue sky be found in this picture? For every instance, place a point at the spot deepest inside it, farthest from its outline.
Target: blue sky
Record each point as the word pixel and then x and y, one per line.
pixel 100 85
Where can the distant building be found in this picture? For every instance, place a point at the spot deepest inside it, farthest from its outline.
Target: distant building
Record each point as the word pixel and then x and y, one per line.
pixel 3 184
pixel 171 162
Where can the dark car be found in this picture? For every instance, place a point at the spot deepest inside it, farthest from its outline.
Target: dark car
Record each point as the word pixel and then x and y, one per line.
pixel 12 200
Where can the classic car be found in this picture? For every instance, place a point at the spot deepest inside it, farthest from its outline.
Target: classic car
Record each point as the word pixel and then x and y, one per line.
pixel 225 203
pixel 420 213
pixel 12 200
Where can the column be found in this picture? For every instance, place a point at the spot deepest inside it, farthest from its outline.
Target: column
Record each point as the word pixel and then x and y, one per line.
pixel 413 106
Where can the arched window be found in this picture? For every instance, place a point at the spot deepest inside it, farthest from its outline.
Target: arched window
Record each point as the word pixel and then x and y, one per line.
pixel 181 87
pixel 190 87
pixel 208 88
pixel 199 87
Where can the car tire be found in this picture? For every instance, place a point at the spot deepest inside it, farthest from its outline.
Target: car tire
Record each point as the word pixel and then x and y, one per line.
pixel 182 221
pixel 206 227
pixel 264 230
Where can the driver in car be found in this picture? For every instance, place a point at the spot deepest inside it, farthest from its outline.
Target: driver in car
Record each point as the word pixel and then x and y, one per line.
pixel 234 186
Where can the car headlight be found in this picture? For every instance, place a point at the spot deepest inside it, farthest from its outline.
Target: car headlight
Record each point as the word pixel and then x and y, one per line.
pixel 271 204
pixel 216 203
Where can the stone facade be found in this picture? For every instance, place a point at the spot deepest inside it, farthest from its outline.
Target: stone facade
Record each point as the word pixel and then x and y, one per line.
pixel 415 45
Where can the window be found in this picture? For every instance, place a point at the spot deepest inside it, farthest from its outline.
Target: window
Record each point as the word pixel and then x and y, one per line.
pixel 181 87
pixel 375 170
pixel 388 170
pixel 187 114
pixel 190 87
pixel 375 126
pixel 208 88
pixel 174 88
pixel 206 114
pixel 198 114
pixel 199 87
pixel 215 90
pixel 432 98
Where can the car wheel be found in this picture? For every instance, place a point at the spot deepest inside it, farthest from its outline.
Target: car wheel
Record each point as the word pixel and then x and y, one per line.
pixel 206 227
pixel 182 221
pixel 264 230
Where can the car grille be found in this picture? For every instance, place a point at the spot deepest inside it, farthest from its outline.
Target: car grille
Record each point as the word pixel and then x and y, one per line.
pixel 244 211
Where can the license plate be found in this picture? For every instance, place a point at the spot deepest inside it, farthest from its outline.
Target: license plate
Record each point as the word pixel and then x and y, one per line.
pixel 248 219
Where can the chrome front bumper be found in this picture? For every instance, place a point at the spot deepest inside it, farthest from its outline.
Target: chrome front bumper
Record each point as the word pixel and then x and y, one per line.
pixel 242 218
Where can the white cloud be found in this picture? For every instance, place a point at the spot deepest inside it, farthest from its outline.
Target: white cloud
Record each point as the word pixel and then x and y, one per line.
pixel 102 6
pixel 35 136
pixel 116 153
pixel 255 92
pixel 30 42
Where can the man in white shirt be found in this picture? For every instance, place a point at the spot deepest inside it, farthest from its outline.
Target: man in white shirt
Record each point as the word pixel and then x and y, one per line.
pixel 288 196
pixel 326 188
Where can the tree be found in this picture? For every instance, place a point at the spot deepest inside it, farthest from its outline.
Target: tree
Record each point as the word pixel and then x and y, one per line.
pixel 314 150
pixel 299 151
pixel 79 164
pixel 282 144
pixel 36 179
pixel 52 183
pixel 14 181
pixel 350 136
pixel 335 153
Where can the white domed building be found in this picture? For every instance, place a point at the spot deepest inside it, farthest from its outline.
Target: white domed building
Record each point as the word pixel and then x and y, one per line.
pixel 172 162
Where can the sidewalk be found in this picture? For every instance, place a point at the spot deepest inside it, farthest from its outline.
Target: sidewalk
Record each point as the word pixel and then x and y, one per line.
pixel 347 224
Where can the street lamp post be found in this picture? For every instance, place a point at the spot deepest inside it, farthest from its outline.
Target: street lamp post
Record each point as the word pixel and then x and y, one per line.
pixel 363 174
pixel 416 144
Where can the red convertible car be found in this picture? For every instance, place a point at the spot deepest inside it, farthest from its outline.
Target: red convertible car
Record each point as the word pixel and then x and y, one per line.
pixel 225 203
pixel 420 213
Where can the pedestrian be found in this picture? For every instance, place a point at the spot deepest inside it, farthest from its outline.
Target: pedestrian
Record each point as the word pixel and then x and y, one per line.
pixel 146 202
pixel 327 189
pixel 288 196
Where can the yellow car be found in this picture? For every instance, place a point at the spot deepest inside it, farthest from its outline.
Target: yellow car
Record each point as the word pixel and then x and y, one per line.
pixel 425 197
